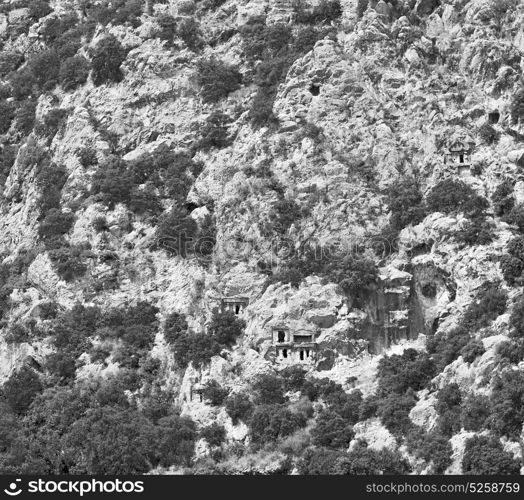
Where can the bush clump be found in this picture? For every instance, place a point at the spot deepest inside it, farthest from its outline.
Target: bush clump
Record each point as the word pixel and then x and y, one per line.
pixel 405 203
pixel 502 198
pixel 217 79
pixel 199 348
pixel 106 59
pixel 488 305
pixel 485 455
pixel 272 422
pixel 452 196
pixel 74 72
pixel 239 407
pixel 21 389
pixel 446 347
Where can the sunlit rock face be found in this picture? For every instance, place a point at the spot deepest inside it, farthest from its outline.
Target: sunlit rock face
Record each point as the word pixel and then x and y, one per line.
pixel 380 96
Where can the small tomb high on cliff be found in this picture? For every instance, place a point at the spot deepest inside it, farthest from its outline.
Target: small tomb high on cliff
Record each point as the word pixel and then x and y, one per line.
pixel 294 346
pixel 235 305
pixel 459 157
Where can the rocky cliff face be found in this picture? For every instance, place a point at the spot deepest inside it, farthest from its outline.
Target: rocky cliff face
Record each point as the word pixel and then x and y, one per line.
pixel 371 95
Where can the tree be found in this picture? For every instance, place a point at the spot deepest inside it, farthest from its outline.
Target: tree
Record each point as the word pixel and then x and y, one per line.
pixel 175 232
pixel 488 305
pixel 226 327
pixel 238 406
pixel 38 9
pixel 331 430
pixel 475 412
pixel 7 113
pixel 452 196
pixel 507 404
pixel 271 422
pixel 106 59
pixel 269 389
pixel 74 72
pixel 45 67
pixel 175 326
pixel 214 434
pixel 217 79
pixel 362 460
pixel 214 393
pixel 485 456
pixel 21 388
pixel 405 203
pixel 175 440
pixel 112 440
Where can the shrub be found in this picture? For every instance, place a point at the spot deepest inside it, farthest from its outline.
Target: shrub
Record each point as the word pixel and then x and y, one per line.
pixel 238 406
pixel 214 434
pixel 87 157
pixel 62 366
pixel 106 59
pixel 10 60
pixel 488 305
pixel 168 27
pixel 23 84
pixel 361 460
pixel 50 179
pixel 445 348
pixel 325 12
pixel 53 122
pixel 7 114
pixel 175 231
pixel 197 348
pixel 217 79
pixel 478 231
pixel 488 134
pixel 294 378
pixel 21 389
pixel 362 6
pixel 269 389
pixel 517 319
pixel 451 196
pixel 214 393
pixel 67 262
pixel 486 456
pixel 502 198
pixel 55 223
pixel 25 117
pixel 475 413
pixel 354 274
pixel 175 326
pixel 45 67
pixel 432 447
pixel 331 430
pixel 398 373
pixel 99 224
pixel 38 9
pixel 17 334
pixel 511 351
pixel 112 184
pixel 393 411
pixel 271 422
pixel 507 404
pixel 405 203
pixel 320 461
pixel 517 106
pixel 188 30
pixel 214 133
pixel 226 327
pixel 472 350
pixel 448 404
pixel 74 72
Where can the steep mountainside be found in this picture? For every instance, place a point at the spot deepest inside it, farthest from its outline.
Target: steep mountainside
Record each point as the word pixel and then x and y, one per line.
pixel 267 236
